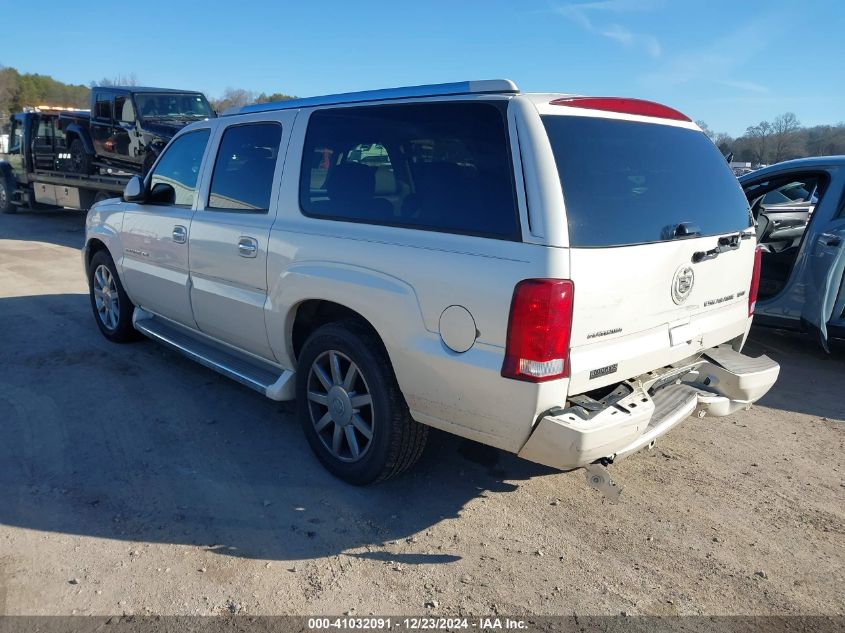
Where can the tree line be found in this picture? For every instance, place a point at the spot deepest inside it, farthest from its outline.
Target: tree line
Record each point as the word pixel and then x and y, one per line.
pixel 21 90
pixel 782 138
pixel 238 97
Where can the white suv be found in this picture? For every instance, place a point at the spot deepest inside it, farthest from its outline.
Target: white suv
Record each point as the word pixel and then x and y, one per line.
pixel 562 277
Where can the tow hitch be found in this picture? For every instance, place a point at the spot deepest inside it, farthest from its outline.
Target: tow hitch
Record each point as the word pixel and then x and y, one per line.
pixel 598 477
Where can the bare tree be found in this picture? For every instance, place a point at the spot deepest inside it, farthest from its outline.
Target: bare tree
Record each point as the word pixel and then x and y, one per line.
pixel 233 98
pixel 759 136
pixel 119 80
pixel 784 133
pixel 724 142
pixel 706 129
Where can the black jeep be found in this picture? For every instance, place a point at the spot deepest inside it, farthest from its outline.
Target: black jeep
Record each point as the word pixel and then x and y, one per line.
pixel 128 126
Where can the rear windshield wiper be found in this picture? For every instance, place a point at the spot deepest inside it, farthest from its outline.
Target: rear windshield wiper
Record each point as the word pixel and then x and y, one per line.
pixel 686 229
pixel 725 244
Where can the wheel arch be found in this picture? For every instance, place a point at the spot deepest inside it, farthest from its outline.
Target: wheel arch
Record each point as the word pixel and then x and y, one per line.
pixel 102 236
pixel 93 246
pixel 311 314
pixel 74 131
pixel 311 294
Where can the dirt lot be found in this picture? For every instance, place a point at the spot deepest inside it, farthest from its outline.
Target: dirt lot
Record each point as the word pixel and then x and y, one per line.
pixel 134 481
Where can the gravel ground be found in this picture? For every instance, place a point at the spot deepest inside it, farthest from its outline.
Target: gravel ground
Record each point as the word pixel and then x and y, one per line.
pixel 134 481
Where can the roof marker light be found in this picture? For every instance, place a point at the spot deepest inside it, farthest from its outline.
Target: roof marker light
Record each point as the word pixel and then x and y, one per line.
pixel 623 105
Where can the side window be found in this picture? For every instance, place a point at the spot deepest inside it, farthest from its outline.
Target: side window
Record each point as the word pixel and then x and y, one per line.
pixel 783 208
pixel 102 107
pixel 174 179
pixel 17 137
pixel 123 110
pixel 435 166
pixel 793 192
pixel 244 168
pixel 44 135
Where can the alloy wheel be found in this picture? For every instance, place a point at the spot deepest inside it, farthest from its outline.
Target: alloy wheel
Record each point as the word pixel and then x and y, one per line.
pixel 106 297
pixel 340 406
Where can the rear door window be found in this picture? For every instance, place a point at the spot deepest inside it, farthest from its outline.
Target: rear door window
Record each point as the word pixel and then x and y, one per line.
pixel 629 183
pixel 434 166
pixel 243 171
pixel 123 110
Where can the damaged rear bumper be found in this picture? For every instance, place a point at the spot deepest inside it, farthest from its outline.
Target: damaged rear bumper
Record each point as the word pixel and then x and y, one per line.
pixel 642 409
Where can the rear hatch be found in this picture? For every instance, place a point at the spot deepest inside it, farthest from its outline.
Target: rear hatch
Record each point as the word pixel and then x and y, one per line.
pixel 661 246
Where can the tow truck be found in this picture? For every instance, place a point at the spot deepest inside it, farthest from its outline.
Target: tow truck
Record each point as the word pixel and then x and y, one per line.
pixel 35 172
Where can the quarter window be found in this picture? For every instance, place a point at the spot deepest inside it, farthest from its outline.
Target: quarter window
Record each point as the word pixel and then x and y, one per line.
pixel 179 168
pixel 102 107
pixel 243 171
pixel 435 166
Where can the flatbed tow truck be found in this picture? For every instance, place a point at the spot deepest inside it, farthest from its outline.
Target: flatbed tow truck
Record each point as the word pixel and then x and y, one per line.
pixel 36 171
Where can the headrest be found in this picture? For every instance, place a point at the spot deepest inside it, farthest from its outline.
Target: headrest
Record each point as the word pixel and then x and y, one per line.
pixel 351 181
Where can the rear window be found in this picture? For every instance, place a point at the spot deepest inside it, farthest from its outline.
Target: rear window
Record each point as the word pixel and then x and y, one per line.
pixel 633 183
pixel 436 166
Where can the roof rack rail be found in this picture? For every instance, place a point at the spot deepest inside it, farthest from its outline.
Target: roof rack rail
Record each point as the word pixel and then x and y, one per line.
pixel 484 86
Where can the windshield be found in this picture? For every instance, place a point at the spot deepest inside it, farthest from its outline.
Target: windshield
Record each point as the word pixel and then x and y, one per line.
pixel 633 183
pixel 172 105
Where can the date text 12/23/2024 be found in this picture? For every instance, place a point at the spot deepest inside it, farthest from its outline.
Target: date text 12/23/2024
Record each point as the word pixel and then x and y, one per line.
pixel 374 623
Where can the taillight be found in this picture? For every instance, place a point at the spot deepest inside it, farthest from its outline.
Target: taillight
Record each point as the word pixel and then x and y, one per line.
pixel 539 328
pixel 623 106
pixel 755 282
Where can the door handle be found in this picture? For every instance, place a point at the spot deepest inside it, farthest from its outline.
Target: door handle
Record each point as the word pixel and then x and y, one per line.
pixel 830 239
pixel 180 234
pixel 247 247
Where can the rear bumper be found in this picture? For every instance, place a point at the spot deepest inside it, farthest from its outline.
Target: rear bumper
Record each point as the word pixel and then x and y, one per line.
pixel 642 409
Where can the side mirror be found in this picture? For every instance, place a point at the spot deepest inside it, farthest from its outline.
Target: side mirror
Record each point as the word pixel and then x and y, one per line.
pixel 162 193
pixel 134 190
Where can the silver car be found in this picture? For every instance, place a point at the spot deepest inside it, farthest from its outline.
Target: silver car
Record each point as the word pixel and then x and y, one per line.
pixel 530 271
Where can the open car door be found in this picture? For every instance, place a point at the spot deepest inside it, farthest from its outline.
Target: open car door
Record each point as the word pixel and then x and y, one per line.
pixel 825 291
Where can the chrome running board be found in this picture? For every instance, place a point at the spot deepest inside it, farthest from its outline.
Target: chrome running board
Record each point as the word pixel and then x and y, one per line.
pixel 272 381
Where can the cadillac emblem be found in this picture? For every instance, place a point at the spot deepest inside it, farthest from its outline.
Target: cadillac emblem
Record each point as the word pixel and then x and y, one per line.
pixel 682 284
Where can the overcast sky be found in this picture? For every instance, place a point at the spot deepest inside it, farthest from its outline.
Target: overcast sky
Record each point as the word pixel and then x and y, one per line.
pixel 729 63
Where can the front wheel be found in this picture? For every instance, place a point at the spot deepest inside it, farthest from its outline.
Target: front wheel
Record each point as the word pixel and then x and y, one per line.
pixel 350 406
pixel 7 187
pixel 109 301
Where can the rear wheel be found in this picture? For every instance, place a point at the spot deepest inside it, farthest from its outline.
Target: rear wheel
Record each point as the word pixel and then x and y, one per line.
pixel 81 162
pixel 109 301
pixel 7 187
pixel 350 406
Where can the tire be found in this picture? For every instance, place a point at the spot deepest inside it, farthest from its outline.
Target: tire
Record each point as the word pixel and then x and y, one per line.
pixel 396 441
pixel 7 187
pixel 112 309
pixel 81 162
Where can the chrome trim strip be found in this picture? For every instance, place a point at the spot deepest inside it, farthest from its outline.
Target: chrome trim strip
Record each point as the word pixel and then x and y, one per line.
pixel 406 92
pixel 141 326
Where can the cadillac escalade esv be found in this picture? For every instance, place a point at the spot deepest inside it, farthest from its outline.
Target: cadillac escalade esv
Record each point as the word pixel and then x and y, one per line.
pixel 563 277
